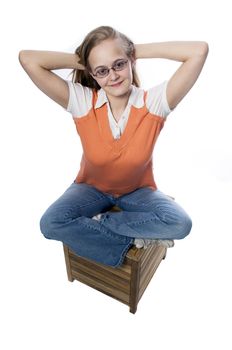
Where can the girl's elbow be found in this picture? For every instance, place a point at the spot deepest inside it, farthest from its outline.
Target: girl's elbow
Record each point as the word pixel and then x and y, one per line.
pixel 203 48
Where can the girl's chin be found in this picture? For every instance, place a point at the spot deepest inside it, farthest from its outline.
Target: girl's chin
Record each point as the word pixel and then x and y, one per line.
pixel 119 88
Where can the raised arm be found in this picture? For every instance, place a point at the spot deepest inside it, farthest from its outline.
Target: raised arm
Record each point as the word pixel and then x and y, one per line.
pixel 38 65
pixel 193 55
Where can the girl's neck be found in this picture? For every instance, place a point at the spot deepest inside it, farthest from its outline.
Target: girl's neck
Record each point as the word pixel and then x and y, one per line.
pixel 119 103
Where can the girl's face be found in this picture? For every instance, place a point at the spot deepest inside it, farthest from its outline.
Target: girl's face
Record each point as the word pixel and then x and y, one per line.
pixel 116 83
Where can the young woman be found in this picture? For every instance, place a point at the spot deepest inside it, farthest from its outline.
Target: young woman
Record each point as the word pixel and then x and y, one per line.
pixel 118 123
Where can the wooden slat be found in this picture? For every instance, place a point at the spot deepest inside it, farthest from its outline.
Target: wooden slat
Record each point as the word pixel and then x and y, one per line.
pixel 152 262
pixel 124 268
pixel 98 269
pixel 150 251
pixel 119 295
pixel 113 280
pixel 158 256
pixel 145 279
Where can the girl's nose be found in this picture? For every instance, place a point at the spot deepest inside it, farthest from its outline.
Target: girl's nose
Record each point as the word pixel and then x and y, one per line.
pixel 112 74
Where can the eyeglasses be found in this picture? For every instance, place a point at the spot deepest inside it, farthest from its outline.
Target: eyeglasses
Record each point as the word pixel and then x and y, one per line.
pixel 104 71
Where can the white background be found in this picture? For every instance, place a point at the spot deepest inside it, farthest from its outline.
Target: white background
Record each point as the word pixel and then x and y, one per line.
pixel 187 305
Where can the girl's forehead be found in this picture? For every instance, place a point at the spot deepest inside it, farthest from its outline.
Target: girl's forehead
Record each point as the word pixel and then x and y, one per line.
pixel 106 52
pixel 110 44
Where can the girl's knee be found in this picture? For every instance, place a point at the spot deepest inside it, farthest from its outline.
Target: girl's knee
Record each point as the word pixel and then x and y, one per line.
pixel 46 226
pixel 184 227
pixel 49 225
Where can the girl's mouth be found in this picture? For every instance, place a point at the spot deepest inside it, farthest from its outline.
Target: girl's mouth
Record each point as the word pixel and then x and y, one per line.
pixel 116 85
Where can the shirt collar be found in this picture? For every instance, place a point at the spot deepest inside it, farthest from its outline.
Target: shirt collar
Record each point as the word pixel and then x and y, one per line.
pixel 135 99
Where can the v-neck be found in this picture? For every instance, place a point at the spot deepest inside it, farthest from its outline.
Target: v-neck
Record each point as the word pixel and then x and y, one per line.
pixel 134 119
pixel 113 117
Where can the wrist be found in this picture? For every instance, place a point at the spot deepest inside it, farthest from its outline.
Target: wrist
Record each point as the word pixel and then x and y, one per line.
pixel 78 65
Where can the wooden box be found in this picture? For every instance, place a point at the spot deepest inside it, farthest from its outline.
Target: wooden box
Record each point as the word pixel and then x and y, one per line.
pixel 125 283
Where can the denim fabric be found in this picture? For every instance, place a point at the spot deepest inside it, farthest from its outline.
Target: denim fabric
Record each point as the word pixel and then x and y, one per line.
pixel 145 214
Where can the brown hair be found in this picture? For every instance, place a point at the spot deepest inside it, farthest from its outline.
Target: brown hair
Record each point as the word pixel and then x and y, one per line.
pixel 92 39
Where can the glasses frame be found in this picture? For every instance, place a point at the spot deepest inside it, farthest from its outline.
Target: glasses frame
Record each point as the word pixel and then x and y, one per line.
pixel 112 67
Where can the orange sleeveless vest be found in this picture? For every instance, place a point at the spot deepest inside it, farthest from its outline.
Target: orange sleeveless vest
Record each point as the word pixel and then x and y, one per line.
pixel 118 166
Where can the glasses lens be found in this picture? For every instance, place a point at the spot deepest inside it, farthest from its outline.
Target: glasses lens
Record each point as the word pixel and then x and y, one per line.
pixel 119 65
pixel 102 72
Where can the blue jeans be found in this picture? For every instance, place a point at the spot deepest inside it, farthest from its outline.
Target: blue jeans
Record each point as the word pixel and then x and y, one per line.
pixel 145 214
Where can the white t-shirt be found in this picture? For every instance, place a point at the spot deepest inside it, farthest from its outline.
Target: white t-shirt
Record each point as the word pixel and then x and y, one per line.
pixel 80 102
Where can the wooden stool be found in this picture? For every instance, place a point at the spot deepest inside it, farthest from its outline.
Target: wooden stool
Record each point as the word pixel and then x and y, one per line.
pixel 125 283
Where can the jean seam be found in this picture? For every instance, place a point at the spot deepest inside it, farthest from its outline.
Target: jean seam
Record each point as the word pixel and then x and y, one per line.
pixel 133 204
pixel 75 207
pixel 133 223
pixel 101 229
pixel 121 259
pixel 93 202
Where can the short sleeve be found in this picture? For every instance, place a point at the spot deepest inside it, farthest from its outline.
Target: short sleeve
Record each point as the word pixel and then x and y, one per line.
pixel 80 99
pixel 157 100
